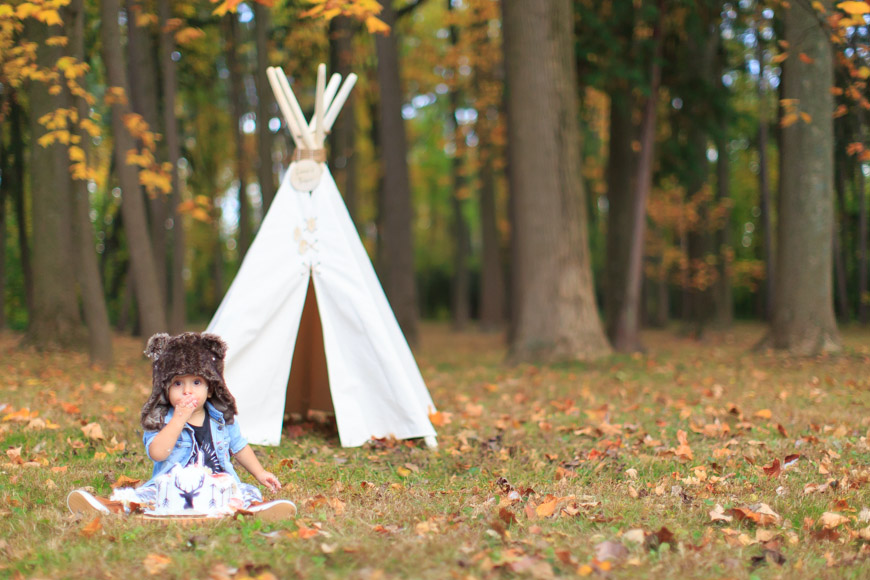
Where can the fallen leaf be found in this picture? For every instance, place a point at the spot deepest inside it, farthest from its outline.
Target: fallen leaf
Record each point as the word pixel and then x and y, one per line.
pixel 92 528
pixel 93 431
pixel 831 520
pixel 70 408
pixel 547 508
pixel 717 514
pixel 773 470
pixel 156 563
pixel 125 481
pixel 610 550
pixel 764 414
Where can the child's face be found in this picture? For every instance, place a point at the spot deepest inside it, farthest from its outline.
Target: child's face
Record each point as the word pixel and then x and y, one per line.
pixel 185 387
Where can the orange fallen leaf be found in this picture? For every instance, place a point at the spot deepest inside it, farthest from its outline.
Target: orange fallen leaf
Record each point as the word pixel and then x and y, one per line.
pixel 156 563
pixel 439 419
pixel 305 532
pixel 764 414
pixel 70 408
pixel 92 528
pixel 23 415
pixel 831 520
pixel 125 481
pixel 547 508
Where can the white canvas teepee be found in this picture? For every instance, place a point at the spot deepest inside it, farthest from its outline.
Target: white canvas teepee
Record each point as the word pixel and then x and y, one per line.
pixel 306 320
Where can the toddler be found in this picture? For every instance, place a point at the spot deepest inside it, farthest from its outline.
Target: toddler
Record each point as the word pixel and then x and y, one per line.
pixel 189 419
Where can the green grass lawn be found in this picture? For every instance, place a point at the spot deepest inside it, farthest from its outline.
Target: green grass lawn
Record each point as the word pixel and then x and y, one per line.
pixel 694 460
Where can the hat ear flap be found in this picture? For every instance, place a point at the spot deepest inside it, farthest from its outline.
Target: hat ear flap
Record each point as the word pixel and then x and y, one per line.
pixel 156 345
pixel 215 344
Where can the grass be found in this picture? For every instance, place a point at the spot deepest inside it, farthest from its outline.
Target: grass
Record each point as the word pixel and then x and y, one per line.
pixel 606 468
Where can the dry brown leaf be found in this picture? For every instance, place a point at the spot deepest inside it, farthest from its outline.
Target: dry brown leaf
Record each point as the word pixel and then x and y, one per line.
pixel 831 520
pixel 93 431
pixel 547 508
pixel 717 514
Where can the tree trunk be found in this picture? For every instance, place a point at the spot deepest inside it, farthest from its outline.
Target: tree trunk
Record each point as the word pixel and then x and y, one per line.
pixel 492 296
pixel 236 96
pixel 55 319
pixel 86 264
pixel 5 170
pixel 626 323
pixel 841 225
pixel 861 194
pixel 723 299
pixel 16 180
pixel 178 303
pixel 152 314
pixel 342 159
pixel 397 249
pixel 764 192
pixel 621 165
pixel 461 288
pixel 144 97
pixel 265 103
pixel 803 314
pixel 555 315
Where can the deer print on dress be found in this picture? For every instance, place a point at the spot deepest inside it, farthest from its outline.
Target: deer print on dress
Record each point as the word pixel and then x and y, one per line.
pixel 188 491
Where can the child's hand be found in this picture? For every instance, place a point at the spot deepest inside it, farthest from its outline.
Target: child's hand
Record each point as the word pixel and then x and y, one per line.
pixel 269 480
pixel 186 406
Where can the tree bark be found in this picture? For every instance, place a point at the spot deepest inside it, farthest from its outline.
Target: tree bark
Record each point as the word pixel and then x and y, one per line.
pixel 86 264
pixel 144 97
pixel 4 195
pixel 55 319
pixel 236 97
pixel 342 140
pixel 764 190
pixel 152 314
pixel 492 294
pixel 265 103
pixel 841 226
pixel 397 249
pixel 803 314
pixel 555 315
pixel 626 323
pixel 16 179
pixel 178 302
pixel 621 166
pixel 461 286
pixel 861 194
pixel 724 301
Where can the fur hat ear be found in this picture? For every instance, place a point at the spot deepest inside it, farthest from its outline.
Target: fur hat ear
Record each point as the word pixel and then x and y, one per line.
pixel 215 344
pixel 156 345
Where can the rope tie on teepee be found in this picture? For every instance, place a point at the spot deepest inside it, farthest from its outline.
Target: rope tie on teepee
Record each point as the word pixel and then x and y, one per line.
pixel 318 155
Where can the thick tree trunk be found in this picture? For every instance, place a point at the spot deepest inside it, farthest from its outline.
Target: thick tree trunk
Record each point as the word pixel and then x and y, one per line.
pixel 55 319
pixel 841 226
pixel 555 315
pixel 397 251
pixel 237 108
pixel 178 303
pixel 152 314
pixel 621 165
pixel 803 314
pixel 460 301
pixel 16 186
pixel 861 194
pixel 5 170
pixel 764 193
pixel 723 299
pixel 626 322
pixel 86 264
pixel 265 103
pixel 341 155
pixel 144 98
pixel 492 293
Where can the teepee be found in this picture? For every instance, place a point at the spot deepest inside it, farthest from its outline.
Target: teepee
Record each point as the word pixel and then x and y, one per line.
pixel 306 321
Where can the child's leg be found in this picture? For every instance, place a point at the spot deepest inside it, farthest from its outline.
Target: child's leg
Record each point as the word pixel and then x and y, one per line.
pixel 250 494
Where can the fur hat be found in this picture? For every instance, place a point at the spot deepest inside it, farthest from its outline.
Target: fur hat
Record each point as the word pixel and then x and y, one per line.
pixel 190 353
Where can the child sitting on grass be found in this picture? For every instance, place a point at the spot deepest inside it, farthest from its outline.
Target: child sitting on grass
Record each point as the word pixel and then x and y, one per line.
pixel 190 420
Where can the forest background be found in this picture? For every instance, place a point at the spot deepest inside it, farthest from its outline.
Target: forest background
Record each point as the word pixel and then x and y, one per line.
pixel 569 170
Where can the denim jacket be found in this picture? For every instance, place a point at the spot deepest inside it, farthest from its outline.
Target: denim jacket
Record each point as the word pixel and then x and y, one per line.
pixel 227 441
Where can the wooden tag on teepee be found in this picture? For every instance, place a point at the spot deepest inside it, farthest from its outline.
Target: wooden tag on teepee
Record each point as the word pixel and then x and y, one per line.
pixel 305 174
